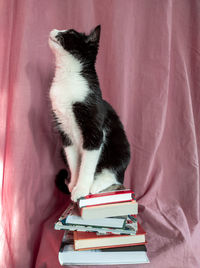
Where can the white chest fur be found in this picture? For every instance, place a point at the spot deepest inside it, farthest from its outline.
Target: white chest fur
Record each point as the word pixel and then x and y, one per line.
pixel 67 89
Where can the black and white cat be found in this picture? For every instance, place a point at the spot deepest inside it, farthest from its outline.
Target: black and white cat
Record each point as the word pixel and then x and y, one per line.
pixel 94 140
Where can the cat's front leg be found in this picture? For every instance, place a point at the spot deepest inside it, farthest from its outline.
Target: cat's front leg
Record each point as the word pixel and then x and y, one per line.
pixel 73 160
pixel 86 173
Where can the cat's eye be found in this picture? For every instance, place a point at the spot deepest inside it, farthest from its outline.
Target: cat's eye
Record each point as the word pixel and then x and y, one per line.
pixel 72 32
pixel 60 39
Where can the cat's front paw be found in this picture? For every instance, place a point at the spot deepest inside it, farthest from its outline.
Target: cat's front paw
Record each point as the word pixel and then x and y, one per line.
pixel 79 191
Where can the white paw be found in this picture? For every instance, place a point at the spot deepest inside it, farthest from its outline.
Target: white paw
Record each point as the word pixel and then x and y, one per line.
pixel 79 191
pixel 102 181
pixel 97 187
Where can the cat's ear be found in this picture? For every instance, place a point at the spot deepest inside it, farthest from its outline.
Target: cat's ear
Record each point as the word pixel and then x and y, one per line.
pixel 94 35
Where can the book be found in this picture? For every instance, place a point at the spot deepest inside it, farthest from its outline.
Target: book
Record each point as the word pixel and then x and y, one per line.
pixel 129 228
pixel 121 255
pixel 106 198
pixel 71 217
pixel 90 240
pixel 109 210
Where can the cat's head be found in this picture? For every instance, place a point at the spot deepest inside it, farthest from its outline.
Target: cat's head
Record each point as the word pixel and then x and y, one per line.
pixel 79 45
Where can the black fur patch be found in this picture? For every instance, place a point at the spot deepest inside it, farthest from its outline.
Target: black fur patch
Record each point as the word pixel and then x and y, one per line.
pixel 65 139
pixel 90 117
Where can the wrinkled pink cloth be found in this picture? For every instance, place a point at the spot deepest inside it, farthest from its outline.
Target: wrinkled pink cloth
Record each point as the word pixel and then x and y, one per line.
pixel 148 66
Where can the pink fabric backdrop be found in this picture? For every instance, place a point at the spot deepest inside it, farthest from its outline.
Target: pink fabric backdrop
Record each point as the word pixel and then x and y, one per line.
pixel 148 66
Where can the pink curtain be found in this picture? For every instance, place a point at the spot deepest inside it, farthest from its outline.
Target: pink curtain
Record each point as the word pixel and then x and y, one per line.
pixel 148 67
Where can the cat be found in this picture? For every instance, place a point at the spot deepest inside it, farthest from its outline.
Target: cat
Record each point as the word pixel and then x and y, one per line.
pixel 94 140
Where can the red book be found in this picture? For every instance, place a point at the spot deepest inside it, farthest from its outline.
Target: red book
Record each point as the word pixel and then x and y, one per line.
pixel 106 198
pixel 91 240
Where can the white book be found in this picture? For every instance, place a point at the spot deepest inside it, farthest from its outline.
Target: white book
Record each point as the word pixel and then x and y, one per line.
pixel 106 198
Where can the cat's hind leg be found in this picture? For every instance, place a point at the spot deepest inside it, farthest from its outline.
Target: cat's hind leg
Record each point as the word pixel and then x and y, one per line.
pixel 103 180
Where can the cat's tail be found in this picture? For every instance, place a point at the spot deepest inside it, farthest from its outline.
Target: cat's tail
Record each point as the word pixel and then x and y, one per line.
pixel 61 179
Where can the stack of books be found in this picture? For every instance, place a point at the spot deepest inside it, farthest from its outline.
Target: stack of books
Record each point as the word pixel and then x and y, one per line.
pixel 102 229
